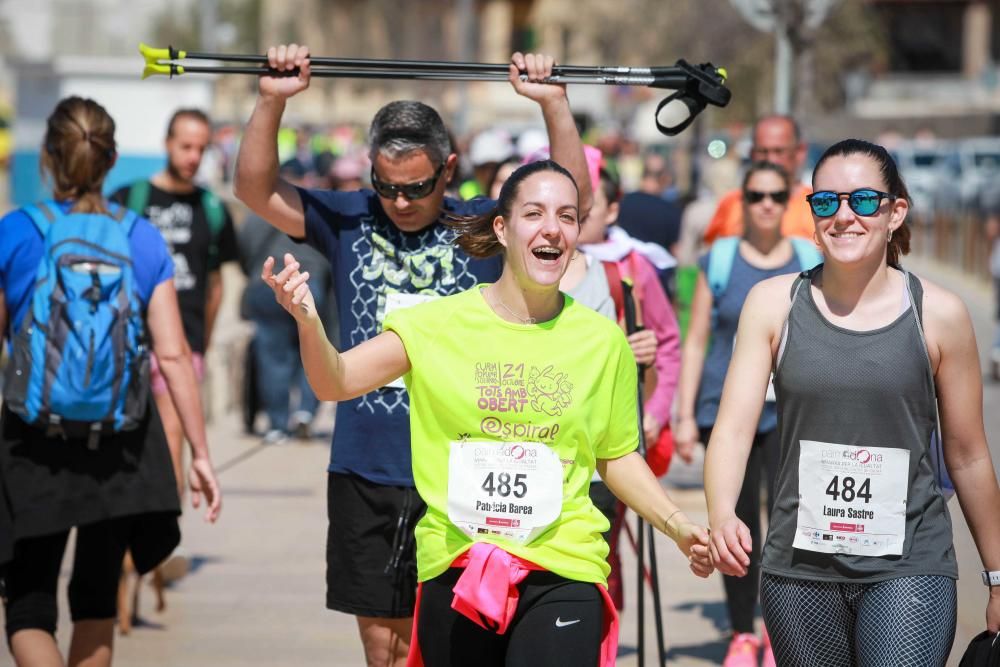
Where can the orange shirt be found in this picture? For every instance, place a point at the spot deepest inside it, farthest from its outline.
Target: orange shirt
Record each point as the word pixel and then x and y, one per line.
pixel 728 218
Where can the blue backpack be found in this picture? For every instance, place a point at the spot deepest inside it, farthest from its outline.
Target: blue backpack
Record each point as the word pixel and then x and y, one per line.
pixel 79 363
pixel 723 253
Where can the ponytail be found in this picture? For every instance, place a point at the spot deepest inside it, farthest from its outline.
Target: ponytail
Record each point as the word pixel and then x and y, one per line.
pixel 78 152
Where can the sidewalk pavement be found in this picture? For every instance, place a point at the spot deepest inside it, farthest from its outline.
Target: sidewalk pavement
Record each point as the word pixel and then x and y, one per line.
pixel 255 595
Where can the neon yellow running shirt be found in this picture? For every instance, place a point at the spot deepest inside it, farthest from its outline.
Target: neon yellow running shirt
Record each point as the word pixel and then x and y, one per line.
pixel 563 390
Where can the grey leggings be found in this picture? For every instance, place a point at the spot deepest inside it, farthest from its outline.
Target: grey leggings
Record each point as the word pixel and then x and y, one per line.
pixel 904 621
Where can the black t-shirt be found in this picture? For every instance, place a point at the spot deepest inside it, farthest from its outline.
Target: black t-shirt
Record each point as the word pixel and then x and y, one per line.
pixel 196 250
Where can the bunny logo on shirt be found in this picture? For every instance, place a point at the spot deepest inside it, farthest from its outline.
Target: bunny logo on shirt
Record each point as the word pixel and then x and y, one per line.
pixel 549 391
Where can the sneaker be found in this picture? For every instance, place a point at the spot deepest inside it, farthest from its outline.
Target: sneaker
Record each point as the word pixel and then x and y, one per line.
pixel 767 659
pixel 742 651
pixel 301 422
pixel 175 567
pixel 274 437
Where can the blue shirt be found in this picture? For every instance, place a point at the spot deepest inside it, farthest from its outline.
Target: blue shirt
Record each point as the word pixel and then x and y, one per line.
pixel 22 247
pixel 728 307
pixel 371 258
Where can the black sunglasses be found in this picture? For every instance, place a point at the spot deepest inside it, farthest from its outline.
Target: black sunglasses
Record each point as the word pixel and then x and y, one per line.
pixel 863 201
pixel 411 191
pixel 756 196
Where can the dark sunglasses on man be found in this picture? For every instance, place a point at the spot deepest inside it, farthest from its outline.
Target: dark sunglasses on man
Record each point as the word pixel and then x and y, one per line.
pixel 756 196
pixel 410 191
pixel 863 201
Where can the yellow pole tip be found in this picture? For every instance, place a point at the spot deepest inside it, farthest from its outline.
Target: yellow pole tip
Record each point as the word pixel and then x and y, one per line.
pixel 153 55
pixel 154 69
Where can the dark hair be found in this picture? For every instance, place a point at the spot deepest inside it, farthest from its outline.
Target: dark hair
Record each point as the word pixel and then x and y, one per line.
pixel 193 114
pixel 78 151
pixel 609 186
pixel 404 126
pixel 496 172
pixel 899 244
pixel 764 165
pixel 475 233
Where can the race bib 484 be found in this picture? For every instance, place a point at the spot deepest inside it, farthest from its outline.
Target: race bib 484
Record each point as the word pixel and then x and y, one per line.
pixel 852 500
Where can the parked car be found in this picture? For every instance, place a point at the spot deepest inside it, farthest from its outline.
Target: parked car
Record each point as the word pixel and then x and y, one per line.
pixel 931 171
pixel 979 158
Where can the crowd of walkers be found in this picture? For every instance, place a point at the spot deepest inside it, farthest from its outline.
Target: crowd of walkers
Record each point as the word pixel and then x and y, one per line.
pixel 497 347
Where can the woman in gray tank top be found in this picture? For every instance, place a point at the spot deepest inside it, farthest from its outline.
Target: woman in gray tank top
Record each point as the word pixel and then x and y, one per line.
pixel 858 564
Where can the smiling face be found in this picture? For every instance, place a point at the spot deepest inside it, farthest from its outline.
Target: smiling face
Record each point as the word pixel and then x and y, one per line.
pixel 764 216
pixel 542 230
pixel 845 236
pixel 412 215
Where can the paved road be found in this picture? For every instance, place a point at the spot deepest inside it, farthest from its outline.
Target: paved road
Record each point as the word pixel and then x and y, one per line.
pixel 256 594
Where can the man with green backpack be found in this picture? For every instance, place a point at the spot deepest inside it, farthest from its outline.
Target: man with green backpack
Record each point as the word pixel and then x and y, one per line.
pixel 199 233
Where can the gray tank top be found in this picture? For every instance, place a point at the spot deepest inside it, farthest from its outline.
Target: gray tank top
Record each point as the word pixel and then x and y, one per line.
pixel 861 389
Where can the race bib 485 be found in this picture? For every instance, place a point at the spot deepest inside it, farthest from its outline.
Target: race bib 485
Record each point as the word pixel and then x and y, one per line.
pixel 507 489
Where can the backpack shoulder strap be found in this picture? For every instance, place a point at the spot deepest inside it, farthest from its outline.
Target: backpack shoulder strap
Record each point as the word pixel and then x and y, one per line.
pixel 214 211
pixel 43 214
pixel 915 292
pixel 138 197
pixel 720 263
pixel 124 215
pixel 806 252
pixel 615 286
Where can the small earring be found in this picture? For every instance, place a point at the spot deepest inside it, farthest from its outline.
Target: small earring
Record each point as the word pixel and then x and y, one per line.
pixel 889 240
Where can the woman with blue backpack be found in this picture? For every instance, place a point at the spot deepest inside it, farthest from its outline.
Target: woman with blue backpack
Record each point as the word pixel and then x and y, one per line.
pixel 82 282
pixel 728 271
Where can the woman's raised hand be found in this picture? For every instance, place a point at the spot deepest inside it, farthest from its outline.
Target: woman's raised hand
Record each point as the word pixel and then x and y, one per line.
pixel 291 289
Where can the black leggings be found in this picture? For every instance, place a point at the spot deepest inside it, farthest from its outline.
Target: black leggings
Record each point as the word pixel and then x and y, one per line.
pixel 33 576
pixel 557 622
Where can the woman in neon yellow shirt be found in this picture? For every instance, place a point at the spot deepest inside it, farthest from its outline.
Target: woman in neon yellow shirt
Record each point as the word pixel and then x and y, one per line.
pixel 517 395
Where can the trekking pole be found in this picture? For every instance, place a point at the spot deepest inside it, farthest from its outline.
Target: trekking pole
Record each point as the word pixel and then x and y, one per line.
pixel 694 86
pixel 644 531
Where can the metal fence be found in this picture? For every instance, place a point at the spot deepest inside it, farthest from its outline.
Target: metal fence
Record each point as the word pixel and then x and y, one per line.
pixel 956 240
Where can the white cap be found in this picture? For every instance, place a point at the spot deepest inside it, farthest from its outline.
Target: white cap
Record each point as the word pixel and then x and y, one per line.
pixel 491 145
pixel 531 141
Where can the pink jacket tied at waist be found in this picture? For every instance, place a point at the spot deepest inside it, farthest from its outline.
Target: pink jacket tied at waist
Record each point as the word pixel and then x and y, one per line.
pixel 486 592
pixel 487 588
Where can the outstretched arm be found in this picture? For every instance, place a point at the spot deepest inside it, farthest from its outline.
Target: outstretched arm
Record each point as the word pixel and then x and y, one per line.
pixel 333 376
pixel 739 411
pixel 966 453
pixel 256 182
pixel 565 145
pixel 632 482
